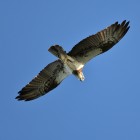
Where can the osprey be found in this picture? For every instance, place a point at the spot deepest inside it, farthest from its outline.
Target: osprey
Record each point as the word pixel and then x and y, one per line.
pixel 73 62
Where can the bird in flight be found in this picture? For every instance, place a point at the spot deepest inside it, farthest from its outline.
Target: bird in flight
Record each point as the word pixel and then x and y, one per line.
pixel 72 62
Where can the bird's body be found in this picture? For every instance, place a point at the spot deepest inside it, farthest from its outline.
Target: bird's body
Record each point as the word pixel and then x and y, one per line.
pixel 73 62
pixel 75 67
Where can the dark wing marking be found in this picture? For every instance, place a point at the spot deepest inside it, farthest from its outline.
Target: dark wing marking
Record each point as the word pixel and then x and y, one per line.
pixel 48 79
pixel 100 42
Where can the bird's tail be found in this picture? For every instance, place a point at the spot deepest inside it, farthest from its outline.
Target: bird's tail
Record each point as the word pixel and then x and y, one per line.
pixel 58 52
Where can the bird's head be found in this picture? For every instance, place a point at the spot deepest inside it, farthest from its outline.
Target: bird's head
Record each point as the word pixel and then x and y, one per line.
pixel 79 74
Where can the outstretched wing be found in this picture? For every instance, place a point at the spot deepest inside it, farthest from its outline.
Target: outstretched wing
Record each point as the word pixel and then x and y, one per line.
pixel 48 79
pixel 100 42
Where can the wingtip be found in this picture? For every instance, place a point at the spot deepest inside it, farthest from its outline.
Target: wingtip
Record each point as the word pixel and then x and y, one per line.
pixel 125 23
pixel 116 23
pixel 18 98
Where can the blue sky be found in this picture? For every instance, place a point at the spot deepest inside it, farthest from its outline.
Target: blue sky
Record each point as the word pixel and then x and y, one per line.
pixel 105 106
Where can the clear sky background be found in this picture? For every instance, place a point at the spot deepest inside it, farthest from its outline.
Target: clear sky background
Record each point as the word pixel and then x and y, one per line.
pixel 106 106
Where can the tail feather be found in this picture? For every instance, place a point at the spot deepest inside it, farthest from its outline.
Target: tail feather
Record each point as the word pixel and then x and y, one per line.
pixel 58 52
